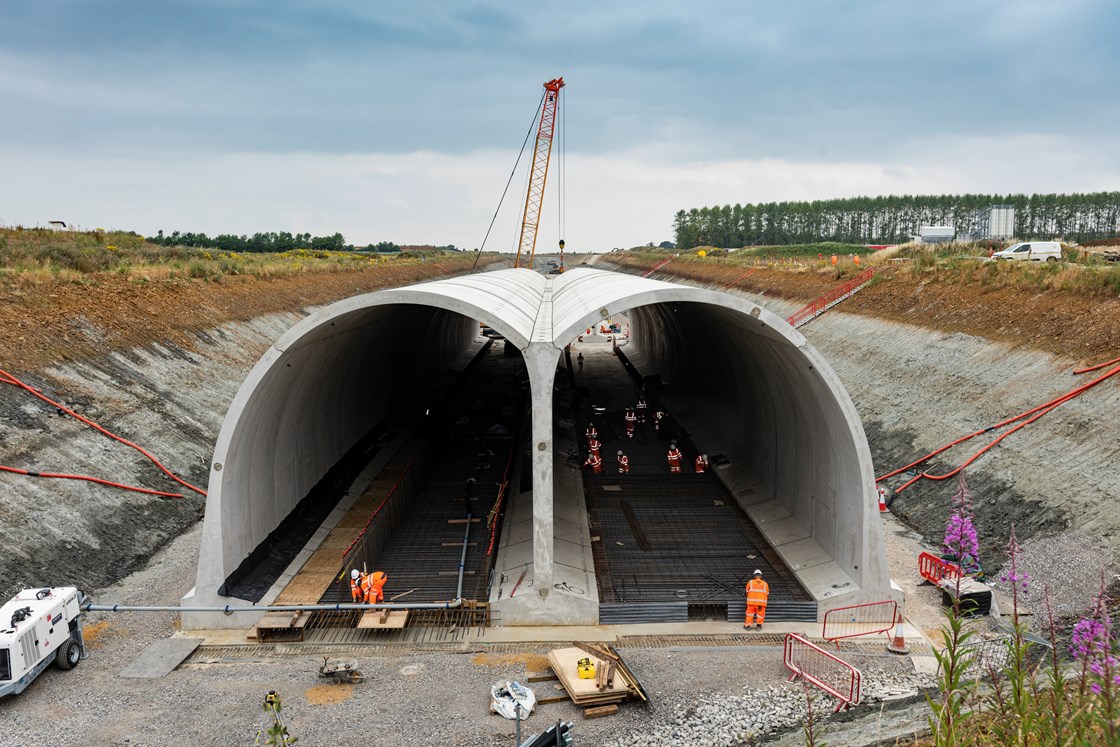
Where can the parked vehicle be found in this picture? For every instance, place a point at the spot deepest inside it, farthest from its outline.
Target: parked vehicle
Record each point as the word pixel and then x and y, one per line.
pixel 44 625
pixel 1034 251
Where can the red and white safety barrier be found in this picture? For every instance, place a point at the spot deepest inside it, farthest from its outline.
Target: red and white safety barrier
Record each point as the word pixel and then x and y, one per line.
pixel 830 673
pixel 933 568
pixel 859 619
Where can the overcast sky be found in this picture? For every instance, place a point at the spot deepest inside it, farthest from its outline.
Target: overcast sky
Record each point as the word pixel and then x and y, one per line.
pixel 402 121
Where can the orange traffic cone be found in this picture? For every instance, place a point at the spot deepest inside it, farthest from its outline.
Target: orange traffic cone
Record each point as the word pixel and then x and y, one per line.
pixel 898 642
pixel 882 501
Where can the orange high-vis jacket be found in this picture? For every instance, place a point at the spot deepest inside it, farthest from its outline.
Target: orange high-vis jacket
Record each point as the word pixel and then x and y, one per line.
pixel 758 591
pixel 357 590
pixel 376 582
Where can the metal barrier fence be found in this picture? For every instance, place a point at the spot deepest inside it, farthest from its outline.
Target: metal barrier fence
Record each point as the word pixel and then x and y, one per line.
pixel 830 673
pixel 859 619
pixel 933 568
pixel 828 300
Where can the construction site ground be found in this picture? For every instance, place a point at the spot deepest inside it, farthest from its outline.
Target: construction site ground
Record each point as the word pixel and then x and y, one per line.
pixel 924 362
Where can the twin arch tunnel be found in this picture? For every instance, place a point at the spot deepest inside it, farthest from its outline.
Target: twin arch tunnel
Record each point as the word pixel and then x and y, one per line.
pixel 747 385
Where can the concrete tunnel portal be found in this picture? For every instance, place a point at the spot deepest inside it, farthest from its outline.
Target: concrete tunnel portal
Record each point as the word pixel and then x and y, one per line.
pixel 740 380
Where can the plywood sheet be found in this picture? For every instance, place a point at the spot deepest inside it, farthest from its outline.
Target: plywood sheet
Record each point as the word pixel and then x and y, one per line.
pixel 307 587
pixel 563 662
pixel 371 620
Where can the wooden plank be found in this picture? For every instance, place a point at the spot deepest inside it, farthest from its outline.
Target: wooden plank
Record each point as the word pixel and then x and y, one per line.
pixel 462 521
pixel 600 711
pixel 552 699
pixel 372 620
pixel 596 651
pixel 278 620
pixel 542 677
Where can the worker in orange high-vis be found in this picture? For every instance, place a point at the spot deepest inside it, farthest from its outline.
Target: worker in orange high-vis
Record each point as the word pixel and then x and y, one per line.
pixel 674 457
pixel 357 591
pixel 758 593
pixel 701 463
pixel 631 421
pixel 375 587
pixel 623 463
pixel 595 462
pixel 591 432
pixel 593 445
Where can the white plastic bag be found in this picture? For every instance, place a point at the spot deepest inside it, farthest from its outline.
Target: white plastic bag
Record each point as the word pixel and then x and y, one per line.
pixel 505 696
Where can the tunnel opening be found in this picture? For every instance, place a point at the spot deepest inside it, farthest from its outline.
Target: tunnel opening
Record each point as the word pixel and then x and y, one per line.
pixel 670 543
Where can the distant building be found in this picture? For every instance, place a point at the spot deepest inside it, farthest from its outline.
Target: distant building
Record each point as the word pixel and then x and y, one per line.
pixel 936 234
pixel 993 222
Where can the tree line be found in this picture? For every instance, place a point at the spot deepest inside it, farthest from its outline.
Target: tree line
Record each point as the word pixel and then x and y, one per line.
pixel 281 241
pixel 894 219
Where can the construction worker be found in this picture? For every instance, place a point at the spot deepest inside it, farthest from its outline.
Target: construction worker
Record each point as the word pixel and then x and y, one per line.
pixel 758 593
pixel 593 445
pixel 623 463
pixel 357 592
pixel 658 417
pixel 641 408
pixel 674 458
pixel 701 463
pixel 375 584
pixel 591 432
pixel 595 462
pixel 579 360
pixel 631 421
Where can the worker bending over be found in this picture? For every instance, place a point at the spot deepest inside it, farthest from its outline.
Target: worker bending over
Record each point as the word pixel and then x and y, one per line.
pixel 594 461
pixel 623 463
pixel 357 586
pixel 758 593
pixel 701 463
pixel 375 585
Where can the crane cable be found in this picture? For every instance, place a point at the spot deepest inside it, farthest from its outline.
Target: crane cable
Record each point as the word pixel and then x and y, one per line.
pixel 562 172
pixel 508 182
pixel 8 378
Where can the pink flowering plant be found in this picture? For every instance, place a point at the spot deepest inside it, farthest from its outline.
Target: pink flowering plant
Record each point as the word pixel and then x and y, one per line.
pixel 960 534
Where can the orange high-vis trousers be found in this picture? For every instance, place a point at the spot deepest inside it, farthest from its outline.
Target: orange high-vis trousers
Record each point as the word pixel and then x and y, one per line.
pixel 755 609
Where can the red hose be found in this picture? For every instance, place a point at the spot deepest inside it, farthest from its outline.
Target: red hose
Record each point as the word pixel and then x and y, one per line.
pixel 8 378
pixel 1030 416
pixel 1094 368
pixel 87 478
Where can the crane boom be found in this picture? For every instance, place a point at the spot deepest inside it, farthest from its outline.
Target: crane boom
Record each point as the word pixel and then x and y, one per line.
pixel 542 153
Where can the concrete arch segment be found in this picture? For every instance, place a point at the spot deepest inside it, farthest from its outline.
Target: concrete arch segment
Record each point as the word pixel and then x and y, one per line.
pixel 800 461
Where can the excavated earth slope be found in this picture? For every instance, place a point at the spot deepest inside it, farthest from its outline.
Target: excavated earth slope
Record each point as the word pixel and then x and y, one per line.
pixel 924 363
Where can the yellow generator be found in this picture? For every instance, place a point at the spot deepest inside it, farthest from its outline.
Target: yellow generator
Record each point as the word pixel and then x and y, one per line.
pixel 585 669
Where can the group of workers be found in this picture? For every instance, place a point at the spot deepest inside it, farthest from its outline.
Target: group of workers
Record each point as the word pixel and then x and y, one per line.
pixel 367 588
pixel 634 416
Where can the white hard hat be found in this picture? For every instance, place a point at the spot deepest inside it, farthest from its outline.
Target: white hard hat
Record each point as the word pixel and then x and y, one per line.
pixel 620 452
pixel 757 572
pixel 354 573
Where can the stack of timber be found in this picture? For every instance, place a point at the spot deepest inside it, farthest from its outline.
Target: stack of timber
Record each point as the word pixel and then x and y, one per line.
pixel 612 684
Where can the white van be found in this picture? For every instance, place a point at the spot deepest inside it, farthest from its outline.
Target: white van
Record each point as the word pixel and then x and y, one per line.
pixel 1036 251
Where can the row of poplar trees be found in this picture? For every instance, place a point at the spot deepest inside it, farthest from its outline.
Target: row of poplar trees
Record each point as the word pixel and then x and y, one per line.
pixel 894 219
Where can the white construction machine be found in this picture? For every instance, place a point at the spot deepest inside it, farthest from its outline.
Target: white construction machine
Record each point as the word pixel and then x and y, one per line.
pixel 42 625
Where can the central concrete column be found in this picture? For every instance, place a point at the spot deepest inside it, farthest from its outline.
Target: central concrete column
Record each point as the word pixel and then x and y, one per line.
pixel 540 360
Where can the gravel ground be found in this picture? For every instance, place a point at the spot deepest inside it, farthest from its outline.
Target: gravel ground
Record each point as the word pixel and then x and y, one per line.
pixel 699 696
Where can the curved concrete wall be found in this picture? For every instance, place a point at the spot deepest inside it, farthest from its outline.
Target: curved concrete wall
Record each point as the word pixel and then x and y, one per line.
pixel 774 406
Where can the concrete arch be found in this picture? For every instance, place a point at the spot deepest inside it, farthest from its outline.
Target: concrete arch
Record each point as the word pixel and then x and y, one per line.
pixel 799 459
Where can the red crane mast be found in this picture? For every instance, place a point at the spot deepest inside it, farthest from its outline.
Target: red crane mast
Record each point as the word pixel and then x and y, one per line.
pixel 542 153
